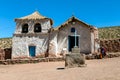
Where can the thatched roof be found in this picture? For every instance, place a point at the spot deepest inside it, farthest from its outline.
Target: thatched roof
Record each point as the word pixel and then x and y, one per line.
pixel 34 16
pixel 72 19
pixel 5 43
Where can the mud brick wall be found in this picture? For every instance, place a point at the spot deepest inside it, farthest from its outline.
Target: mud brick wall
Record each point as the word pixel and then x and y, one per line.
pixel 5 53
pixel 111 45
pixel 2 54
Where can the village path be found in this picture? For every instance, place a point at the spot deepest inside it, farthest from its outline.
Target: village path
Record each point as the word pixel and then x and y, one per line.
pixel 103 69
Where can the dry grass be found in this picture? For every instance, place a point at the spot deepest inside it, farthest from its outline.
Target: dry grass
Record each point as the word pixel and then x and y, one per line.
pixel 109 32
pixel 5 43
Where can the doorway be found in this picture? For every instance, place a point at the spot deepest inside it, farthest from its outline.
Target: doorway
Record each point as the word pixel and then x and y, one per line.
pixel 32 51
pixel 8 52
pixel 71 42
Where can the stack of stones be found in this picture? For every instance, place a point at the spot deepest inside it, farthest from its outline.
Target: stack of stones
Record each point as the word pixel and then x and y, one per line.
pixel 75 59
pixel 111 45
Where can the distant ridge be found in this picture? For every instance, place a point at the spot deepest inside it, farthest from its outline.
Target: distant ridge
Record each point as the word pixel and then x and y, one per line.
pixel 109 27
pixel 111 32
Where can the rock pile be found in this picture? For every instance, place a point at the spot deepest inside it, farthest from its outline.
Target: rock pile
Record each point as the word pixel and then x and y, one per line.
pixel 111 45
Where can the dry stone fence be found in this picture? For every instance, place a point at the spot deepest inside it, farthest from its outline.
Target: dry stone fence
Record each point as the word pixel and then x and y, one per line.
pixel 110 38
pixel 111 45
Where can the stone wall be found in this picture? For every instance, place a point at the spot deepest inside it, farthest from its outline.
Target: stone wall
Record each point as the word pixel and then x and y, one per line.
pixel 29 60
pixel 5 53
pixel 111 45
pixel 5 48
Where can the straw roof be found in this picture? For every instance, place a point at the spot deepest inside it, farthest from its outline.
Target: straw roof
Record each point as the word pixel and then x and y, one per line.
pixel 72 19
pixel 5 43
pixel 34 16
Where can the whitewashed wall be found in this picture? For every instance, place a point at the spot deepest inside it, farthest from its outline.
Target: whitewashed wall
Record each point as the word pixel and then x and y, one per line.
pixel 97 43
pixel 92 42
pixel 57 39
pixel 84 40
pixel 53 46
pixel 20 46
pixel 22 41
pixel 45 25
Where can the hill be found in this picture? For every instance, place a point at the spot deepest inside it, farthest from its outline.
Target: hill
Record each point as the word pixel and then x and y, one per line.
pixel 109 32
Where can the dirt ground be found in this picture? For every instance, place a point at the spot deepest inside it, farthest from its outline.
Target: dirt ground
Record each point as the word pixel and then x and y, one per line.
pixel 103 69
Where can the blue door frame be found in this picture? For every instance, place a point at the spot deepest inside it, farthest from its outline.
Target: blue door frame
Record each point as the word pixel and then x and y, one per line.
pixel 32 51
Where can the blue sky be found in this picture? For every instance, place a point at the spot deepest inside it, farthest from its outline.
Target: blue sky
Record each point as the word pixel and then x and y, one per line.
pixel 98 13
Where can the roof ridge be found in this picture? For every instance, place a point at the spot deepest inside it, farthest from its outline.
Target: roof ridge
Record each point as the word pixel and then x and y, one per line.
pixel 34 15
pixel 37 12
pixel 71 19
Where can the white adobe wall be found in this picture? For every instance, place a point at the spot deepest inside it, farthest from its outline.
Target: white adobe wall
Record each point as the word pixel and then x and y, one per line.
pixel 97 43
pixel 84 41
pixel 20 45
pixel 21 41
pixel 92 42
pixel 45 24
pixel 53 46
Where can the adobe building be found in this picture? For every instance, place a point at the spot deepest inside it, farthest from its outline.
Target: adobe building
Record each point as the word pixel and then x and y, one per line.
pixel 35 36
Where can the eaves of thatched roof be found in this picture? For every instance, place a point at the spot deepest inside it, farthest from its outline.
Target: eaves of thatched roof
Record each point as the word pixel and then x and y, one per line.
pixel 72 19
pixel 5 43
pixel 34 16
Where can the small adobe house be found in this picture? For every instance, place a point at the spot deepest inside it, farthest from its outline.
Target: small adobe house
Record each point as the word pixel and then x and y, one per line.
pixel 5 48
pixel 35 36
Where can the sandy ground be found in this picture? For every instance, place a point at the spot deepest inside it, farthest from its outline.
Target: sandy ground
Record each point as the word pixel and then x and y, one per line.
pixel 104 69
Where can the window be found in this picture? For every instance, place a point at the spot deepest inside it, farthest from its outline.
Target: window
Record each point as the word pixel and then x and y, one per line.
pixel 25 28
pixel 37 28
pixel 72 29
